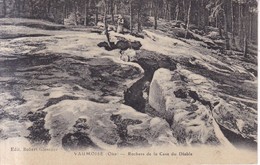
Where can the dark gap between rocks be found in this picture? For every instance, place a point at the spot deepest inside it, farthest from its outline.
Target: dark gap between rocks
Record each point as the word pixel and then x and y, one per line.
pixel 38 134
pixel 150 62
pixel 127 140
pixel 238 141
pixel 133 96
pixel 78 139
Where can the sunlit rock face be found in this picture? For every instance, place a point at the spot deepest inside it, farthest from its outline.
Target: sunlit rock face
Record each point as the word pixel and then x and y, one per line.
pixel 190 103
pixel 48 79
pixel 85 124
pixel 77 106
pixel 58 87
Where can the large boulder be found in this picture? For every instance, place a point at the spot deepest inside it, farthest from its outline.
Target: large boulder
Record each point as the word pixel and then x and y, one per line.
pixel 190 103
pixel 128 55
pixel 86 124
pixel 122 45
pixel 136 45
pixel 45 81
pixel 191 120
pixel 213 35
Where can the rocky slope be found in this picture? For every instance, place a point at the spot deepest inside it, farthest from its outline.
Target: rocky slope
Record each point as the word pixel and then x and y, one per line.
pixel 191 104
pixel 58 88
pixel 88 124
pixel 64 91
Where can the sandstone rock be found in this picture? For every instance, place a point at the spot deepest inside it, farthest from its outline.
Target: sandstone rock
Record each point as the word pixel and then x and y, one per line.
pixel 80 78
pixel 136 45
pixel 106 46
pixel 237 118
pixel 128 55
pixel 213 35
pixel 122 45
pixel 98 125
pixel 191 104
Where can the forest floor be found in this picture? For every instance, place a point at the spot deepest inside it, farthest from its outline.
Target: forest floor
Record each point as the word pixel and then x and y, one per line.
pixel 56 85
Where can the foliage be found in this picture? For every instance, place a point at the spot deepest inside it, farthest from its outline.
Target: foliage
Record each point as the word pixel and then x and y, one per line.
pixel 232 15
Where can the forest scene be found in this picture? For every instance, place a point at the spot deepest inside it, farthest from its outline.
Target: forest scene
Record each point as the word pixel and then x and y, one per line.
pixel 96 74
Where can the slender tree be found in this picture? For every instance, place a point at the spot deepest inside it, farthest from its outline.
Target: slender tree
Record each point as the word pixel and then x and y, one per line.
pixel 188 19
pixel 97 5
pixel 224 11
pixel 139 13
pixel 184 11
pixel 105 4
pixel 155 5
pixel 177 10
pixel 86 11
pixel 131 15
pixel 112 7
pixel 239 21
pixel 232 19
pixel 245 29
pixel 4 8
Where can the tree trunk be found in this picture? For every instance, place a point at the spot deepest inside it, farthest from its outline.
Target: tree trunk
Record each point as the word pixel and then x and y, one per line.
pixel 216 22
pixel 23 5
pixel 86 12
pixel 245 49
pixel 220 31
pixel 204 23
pixel 250 27
pixel 155 20
pixel 232 20
pixel 65 10
pixel 165 15
pixel 170 11
pixel 196 15
pixel 239 22
pixel 106 25
pixel 206 19
pixel 199 14
pixel 131 17
pixel 18 7
pixel 116 10
pixel 31 10
pixel 226 27
pixel 75 13
pixel 64 13
pixel 112 11
pixel 188 20
pixel 177 11
pixel 184 11
pixel 245 30
pixel 155 15
pixel 49 7
pixel 138 21
pixel 108 8
pixel 4 8
pixel 151 9
pixel 96 17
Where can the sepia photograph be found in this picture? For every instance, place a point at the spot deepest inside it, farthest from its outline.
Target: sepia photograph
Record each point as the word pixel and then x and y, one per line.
pixel 128 82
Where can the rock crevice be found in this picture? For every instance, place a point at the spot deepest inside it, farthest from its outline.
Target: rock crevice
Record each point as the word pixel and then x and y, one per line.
pixel 196 113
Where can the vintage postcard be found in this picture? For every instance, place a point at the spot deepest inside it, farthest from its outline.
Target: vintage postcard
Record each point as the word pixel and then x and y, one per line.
pixel 111 82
